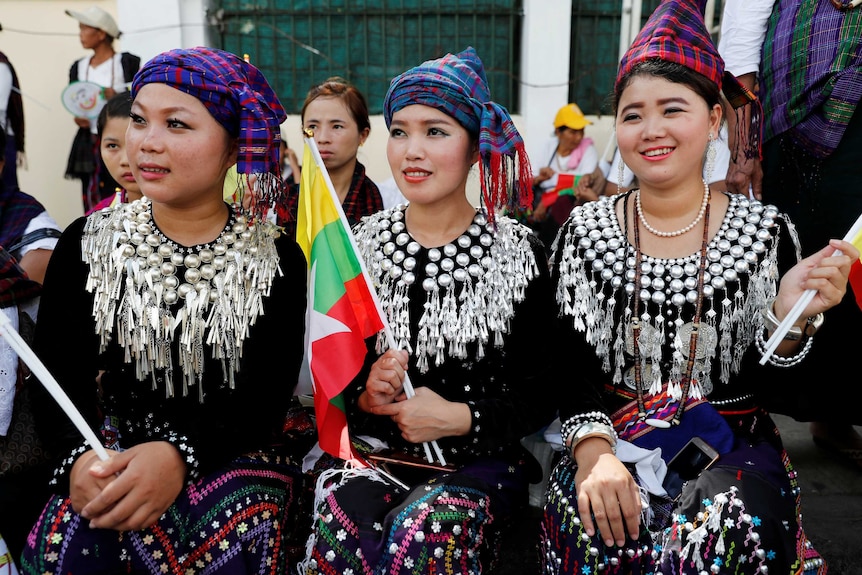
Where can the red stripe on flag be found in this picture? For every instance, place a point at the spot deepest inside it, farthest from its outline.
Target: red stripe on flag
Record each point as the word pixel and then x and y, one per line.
pixel 856 281
pixel 335 360
pixel 364 312
pixel 566 184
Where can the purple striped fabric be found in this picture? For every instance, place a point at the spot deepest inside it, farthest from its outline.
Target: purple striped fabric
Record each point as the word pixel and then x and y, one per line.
pixel 811 78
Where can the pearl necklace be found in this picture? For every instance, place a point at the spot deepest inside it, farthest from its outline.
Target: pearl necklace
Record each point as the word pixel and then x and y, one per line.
pixel 680 231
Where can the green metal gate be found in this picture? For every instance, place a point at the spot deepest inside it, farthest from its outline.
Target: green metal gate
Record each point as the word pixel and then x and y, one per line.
pixel 300 43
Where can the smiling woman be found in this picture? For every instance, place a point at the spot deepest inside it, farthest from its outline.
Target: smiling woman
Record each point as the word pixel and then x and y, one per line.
pixel 666 293
pixel 166 296
pixel 465 289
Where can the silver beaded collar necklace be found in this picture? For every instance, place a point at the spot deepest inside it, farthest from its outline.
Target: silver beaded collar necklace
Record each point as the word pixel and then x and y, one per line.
pixel 471 284
pixel 146 286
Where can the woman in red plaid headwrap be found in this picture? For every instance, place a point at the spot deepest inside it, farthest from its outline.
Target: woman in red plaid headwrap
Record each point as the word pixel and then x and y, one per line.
pixel 666 294
pixel 184 302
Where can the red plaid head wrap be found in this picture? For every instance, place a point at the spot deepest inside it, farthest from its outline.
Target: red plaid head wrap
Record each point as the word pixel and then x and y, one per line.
pixel 238 97
pixel 456 85
pixel 676 32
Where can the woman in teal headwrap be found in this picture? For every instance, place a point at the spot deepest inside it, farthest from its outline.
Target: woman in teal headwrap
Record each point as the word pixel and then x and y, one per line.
pixel 465 290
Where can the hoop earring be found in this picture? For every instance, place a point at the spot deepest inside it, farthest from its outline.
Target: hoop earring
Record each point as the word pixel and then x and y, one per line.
pixel 711 153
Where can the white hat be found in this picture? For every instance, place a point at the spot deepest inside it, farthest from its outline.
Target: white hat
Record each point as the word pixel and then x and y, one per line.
pixel 97 18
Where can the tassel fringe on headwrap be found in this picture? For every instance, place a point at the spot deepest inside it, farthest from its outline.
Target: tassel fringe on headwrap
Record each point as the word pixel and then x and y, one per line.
pixel 240 99
pixel 456 85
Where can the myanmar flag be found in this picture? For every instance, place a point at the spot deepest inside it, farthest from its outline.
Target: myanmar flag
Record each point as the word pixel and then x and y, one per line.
pixel 566 184
pixel 342 311
pixel 856 271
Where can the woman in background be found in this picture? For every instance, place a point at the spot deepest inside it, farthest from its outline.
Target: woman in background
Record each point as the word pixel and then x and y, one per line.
pixel 338 115
pixel 113 123
pixel 114 72
pixel 566 158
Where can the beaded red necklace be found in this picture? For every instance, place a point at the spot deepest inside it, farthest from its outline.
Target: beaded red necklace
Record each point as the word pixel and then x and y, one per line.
pixel 636 328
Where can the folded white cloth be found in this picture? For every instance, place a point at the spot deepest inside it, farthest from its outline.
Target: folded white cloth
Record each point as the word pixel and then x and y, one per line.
pixel 7 564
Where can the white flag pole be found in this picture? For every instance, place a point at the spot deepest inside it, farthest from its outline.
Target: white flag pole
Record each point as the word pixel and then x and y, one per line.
pixel 801 303
pixel 387 330
pixel 41 372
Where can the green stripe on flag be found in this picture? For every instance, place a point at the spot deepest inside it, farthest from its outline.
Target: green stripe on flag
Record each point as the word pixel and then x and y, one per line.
pixel 334 266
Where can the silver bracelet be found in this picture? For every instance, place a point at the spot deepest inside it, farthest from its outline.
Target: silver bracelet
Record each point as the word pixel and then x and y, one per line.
pixel 591 429
pixel 795 333
pixel 779 361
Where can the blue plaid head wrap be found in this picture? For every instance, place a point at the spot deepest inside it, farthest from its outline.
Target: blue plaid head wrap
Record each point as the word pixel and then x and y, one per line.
pixel 456 85
pixel 238 96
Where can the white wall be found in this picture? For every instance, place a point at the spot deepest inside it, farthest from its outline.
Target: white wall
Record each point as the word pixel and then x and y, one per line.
pixel 42 43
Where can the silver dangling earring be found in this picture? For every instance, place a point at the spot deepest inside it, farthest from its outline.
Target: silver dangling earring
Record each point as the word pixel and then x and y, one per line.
pixel 621 167
pixel 711 152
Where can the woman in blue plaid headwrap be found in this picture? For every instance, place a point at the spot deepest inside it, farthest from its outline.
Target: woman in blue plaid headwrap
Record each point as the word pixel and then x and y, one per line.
pixel 465 290
pixel 182 303
pixel 666 293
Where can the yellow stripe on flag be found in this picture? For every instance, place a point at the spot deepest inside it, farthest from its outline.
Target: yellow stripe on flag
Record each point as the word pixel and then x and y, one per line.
pixel 857 241
pixel 316 208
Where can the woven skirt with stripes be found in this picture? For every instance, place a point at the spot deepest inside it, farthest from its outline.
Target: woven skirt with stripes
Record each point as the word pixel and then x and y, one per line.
pixel 237 521
pixel 740 516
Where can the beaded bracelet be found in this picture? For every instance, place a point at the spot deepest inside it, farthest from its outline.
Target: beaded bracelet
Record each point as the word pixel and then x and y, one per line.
pixel 573 423
pixel 779 361
pixel 575 434
pixel 795 333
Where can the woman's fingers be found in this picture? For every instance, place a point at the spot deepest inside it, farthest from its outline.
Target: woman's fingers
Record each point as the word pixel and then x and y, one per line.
pixel 609 506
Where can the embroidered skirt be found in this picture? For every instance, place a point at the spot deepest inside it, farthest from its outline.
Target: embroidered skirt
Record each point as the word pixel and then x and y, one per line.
pixel 739 516
pixel 446 524
pixel 236 521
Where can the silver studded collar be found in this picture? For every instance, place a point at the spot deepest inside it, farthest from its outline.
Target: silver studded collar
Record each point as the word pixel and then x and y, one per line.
pixel 598 279
pixel 146 287
pixel 469 285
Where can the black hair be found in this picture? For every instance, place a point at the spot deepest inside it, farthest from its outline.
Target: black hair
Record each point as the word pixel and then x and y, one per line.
pixel 672 72
pixel 120 106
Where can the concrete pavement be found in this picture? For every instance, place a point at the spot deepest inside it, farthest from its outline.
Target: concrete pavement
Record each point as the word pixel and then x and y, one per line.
pixel 831 499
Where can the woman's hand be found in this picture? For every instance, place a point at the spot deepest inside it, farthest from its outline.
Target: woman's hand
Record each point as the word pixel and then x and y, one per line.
pixel 385 380
pixel 606 492
pixel 590 186
pixel 82 122
pixel 427 416
pixel 142 482
pixel 544 174
pixel 821 271
pixel 84 486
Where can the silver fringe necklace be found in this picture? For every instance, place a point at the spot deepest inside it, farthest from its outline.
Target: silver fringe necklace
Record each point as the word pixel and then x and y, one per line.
pixel 148 287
